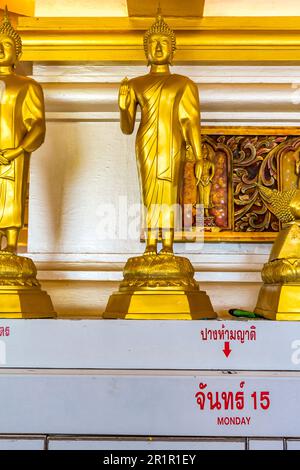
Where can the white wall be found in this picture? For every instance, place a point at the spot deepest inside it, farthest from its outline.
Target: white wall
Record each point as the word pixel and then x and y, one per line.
pixel 86 161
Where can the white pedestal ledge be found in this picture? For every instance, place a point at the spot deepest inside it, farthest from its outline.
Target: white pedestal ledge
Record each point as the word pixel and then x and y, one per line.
pixel 140 344
pixel 141 378
pixel 152 403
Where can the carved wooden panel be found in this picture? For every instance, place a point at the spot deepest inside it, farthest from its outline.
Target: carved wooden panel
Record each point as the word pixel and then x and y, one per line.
pixel 242 159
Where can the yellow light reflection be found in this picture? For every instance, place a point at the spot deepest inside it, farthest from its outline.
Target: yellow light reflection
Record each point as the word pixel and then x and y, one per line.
pixel 251 8
pixel 80 8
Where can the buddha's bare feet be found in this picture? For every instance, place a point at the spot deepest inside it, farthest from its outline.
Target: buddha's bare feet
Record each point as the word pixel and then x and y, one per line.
pixel 166 251
pixel 150 250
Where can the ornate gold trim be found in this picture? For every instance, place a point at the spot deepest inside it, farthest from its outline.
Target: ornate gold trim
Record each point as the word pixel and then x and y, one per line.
pixel 117 40
pixel 249 130
pixel 236 237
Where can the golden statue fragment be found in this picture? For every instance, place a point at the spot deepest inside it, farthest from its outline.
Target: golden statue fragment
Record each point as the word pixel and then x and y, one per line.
pixel 161 285
pixel 22 130
pixel 279 297
pixel 205 181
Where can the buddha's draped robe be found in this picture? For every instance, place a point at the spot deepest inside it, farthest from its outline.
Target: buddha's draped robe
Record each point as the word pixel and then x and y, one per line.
pixel 170 120
pixel 21 106
pixel 205 183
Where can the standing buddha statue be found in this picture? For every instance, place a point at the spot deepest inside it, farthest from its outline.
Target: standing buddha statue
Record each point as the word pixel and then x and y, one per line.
pixel 170 120
pixel 160 286
pixel 22 130
pixel 206 181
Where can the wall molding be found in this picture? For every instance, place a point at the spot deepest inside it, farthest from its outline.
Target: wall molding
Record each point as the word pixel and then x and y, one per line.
pixel 117 40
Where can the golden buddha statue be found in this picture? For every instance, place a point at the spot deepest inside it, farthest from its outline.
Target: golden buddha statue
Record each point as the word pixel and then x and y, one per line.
pixel 170 119
pixel 205 180
pixel 160 285
pixel 279 297
pixel 22 130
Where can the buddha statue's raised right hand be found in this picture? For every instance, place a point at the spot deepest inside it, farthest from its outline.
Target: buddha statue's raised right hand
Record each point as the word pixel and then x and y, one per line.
pixel 124 95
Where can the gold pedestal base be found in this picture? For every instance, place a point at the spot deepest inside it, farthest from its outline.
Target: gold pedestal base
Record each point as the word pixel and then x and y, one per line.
pixel 160 305
pixel 25 303
pixel 21 295
pixel 279 302
pixel 159 287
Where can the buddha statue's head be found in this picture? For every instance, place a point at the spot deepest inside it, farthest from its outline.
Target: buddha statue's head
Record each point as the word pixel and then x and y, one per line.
pixel 10 43
pixel 207 152
pixel 159 43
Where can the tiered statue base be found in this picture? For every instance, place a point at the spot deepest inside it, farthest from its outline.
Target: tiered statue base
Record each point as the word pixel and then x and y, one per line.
pixel 159 287
pixel 279 297
pixel 21 295
pixel 159 305
pixel 279 302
